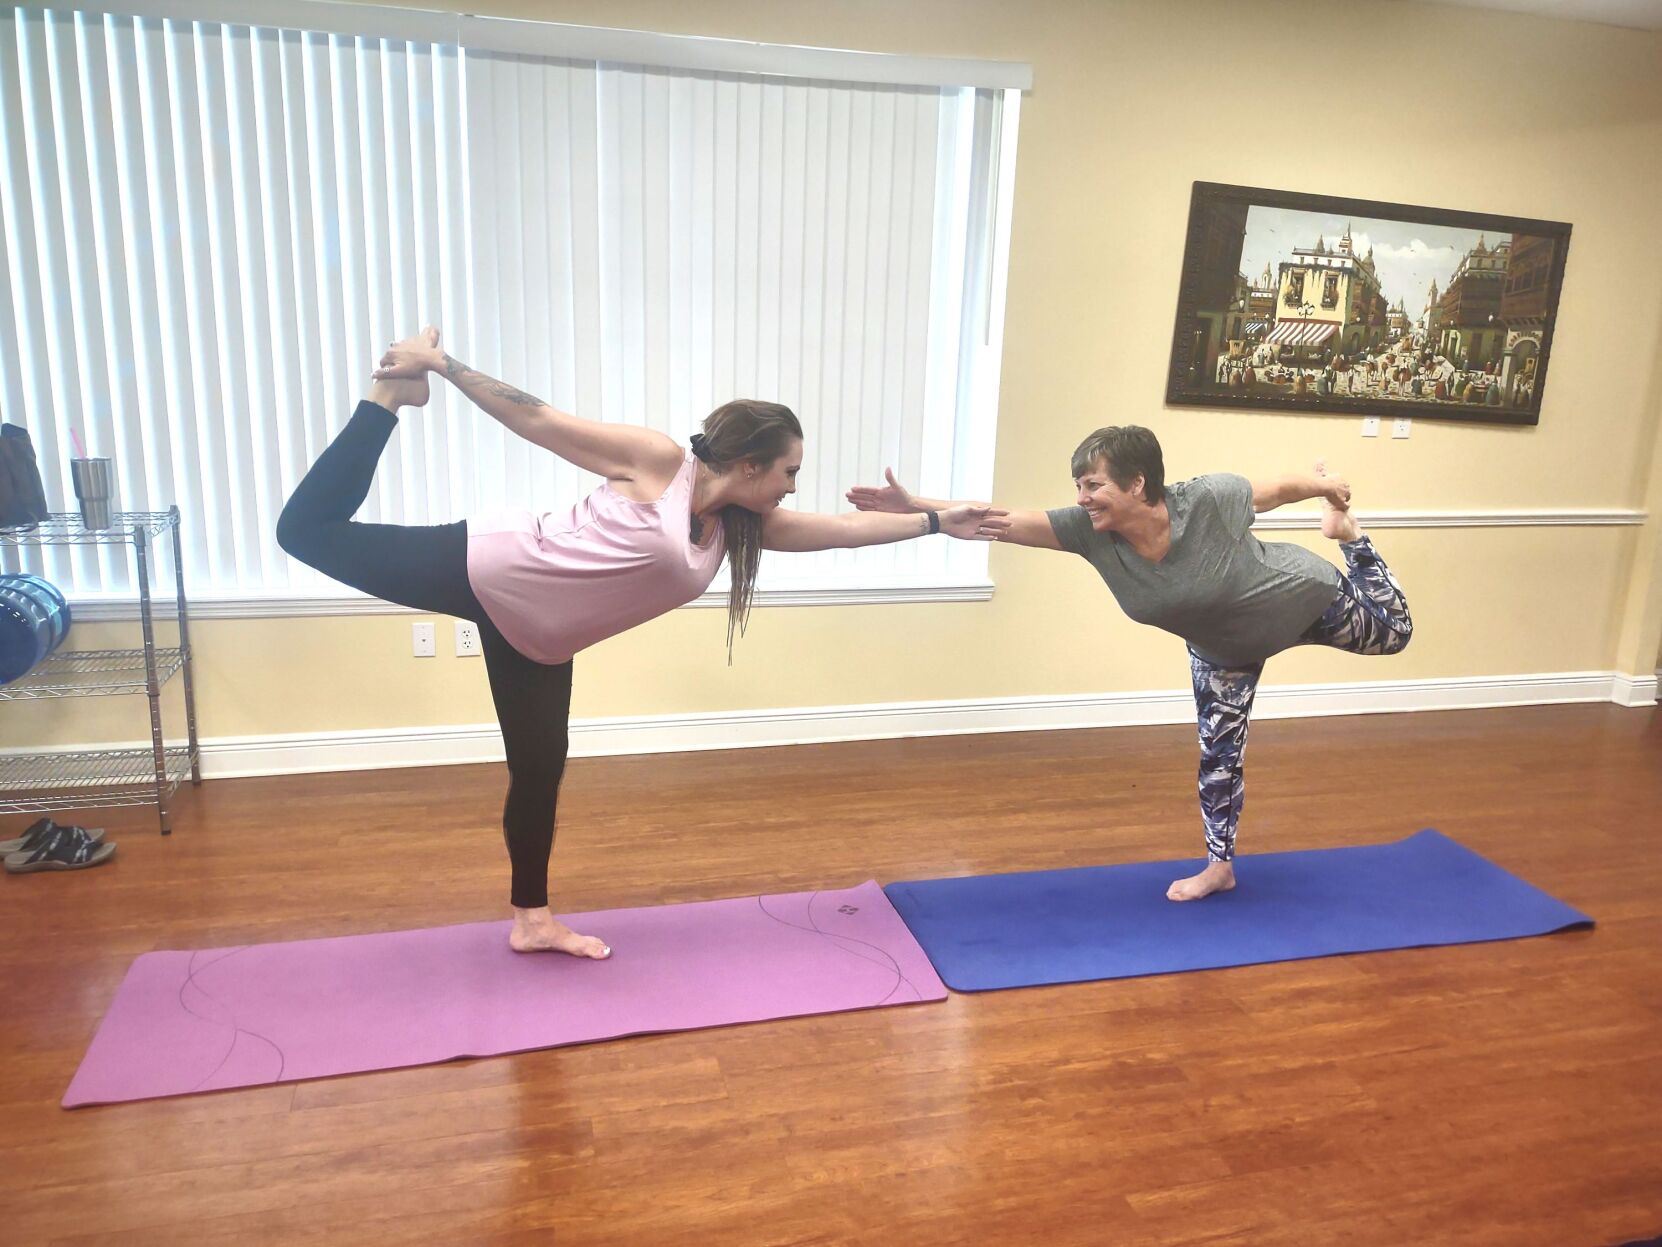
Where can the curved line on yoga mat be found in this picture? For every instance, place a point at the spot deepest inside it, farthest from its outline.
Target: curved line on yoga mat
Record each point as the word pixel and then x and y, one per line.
pixel 190 981
pixel 894 962
pixel 889 962
pixel 236 1031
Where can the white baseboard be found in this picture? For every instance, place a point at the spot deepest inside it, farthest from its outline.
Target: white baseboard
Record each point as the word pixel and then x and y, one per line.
pixel 1635 690
pixel 224 757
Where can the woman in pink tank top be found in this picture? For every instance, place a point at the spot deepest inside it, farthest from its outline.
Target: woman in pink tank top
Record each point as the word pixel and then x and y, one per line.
pixel 542 587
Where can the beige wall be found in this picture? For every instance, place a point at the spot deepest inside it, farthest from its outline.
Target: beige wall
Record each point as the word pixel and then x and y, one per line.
pixel 1132 101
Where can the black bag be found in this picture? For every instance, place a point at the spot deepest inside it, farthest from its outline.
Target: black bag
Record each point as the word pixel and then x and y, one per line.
pixel 22 495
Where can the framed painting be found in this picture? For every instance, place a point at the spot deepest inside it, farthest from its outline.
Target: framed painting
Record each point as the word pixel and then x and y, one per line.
pixel 1297 302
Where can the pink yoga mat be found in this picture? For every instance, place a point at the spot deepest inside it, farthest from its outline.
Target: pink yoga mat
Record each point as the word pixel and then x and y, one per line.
pixel 241 1017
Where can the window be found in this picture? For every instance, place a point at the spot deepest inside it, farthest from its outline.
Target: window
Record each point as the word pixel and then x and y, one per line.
pixel 210 229
pixel 1295 288
pixel 1330 290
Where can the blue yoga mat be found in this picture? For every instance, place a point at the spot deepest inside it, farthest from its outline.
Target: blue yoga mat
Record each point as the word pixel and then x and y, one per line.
pixel 988 932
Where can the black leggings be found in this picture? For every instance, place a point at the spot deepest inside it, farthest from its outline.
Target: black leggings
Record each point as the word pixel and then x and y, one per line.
pixel 425 568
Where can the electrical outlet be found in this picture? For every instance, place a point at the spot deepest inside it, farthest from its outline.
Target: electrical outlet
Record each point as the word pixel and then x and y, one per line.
pixel 1400 426
pixel 467 639
pixel 1370 426
pixel 422 641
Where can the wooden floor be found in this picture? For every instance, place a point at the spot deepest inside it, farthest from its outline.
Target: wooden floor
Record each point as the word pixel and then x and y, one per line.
pixel 1506 1094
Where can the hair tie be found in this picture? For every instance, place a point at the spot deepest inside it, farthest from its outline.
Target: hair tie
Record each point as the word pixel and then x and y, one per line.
pixel 701 447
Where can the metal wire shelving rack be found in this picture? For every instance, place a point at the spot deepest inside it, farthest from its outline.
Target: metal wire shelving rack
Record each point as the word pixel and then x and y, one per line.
pixel 103 778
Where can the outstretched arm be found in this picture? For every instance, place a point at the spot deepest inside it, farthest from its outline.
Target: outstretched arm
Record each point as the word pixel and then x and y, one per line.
pixel 1024 528
pixel 807 530
pixel 1279 491
pixel 619 452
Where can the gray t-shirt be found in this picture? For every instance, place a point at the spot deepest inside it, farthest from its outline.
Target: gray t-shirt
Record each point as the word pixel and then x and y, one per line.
pixel 1233 598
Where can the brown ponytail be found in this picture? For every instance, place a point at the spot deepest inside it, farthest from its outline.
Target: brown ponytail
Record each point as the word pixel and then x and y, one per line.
pixel 743 431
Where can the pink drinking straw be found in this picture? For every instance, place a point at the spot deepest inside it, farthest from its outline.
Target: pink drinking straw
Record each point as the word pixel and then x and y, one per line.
pixel 80 450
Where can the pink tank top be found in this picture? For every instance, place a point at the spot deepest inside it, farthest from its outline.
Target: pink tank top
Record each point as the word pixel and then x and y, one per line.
pixel 558 582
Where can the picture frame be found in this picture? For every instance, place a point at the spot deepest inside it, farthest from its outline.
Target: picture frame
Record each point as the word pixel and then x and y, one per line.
pixel 1299 302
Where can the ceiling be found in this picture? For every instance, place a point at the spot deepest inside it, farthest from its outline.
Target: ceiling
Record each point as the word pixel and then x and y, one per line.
pixel 1639 14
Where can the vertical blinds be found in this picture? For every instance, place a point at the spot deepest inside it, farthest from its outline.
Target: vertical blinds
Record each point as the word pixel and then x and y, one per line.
pixel 210 230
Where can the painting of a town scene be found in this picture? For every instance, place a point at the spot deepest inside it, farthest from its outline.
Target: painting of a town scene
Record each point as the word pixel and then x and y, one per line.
pixel 1302 302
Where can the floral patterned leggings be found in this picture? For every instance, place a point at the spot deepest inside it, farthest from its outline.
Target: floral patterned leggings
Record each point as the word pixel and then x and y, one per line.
pixel 1368 615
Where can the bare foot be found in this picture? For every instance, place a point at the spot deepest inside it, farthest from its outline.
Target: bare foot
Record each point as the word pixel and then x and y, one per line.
pixel 400 379
pixel 1217 877
pixel 400 392
pixel 1338 524
pixel 539 931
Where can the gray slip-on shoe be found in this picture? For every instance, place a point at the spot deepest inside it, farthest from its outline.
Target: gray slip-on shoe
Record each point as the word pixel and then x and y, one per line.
pixel 66 848
pixel 38 831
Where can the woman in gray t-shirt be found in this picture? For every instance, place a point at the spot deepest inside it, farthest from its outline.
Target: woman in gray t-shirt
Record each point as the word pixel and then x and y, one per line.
pixel 1183 558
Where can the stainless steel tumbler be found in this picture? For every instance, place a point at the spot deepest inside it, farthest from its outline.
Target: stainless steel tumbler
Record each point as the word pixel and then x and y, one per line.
pixel 94 481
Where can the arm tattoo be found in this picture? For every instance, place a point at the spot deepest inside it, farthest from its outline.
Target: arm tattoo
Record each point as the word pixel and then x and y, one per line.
pixel 461 375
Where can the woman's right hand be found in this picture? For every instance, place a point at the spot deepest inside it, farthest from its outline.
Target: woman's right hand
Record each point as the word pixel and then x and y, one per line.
pixel 893 497
pixel 975 521
pixel 413 357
